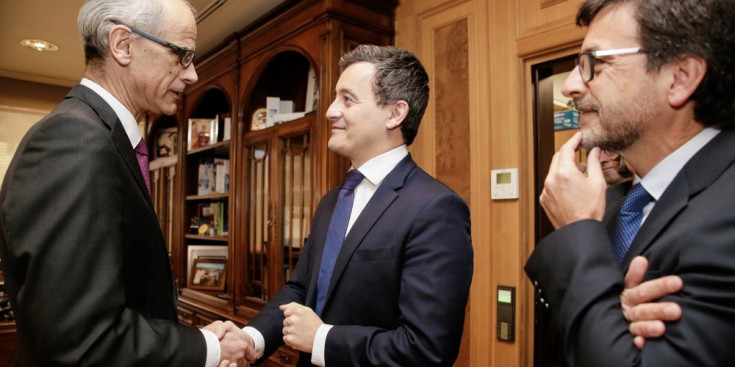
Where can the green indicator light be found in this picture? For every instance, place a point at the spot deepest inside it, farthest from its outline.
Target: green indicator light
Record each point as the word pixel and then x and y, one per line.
pixel 504 296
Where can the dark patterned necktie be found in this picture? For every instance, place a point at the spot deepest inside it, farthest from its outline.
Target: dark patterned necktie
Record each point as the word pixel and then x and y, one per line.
pixel 629 220
pixel 336 235
pixel 141 152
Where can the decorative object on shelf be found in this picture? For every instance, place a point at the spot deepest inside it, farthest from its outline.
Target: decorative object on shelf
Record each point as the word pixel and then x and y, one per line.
pixel 212 219
pixel 204 252
pixel 202 132
pixel 259 118
pixel 194 225
pixel 6 312
pixel 208 274
pixel 166 142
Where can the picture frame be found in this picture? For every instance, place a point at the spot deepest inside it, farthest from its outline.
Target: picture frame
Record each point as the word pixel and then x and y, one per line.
pixel 167 142
pixel 208 274
pixel 259 119
pixel 202 133
pixel 204 252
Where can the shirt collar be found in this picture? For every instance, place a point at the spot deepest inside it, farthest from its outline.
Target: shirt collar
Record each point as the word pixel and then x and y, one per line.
pixel 126 118
pixel 378 167
pixel 659 178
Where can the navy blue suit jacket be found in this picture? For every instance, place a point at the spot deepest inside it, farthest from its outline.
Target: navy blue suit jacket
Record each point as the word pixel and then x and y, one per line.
pixel 401 282
pixel 690 232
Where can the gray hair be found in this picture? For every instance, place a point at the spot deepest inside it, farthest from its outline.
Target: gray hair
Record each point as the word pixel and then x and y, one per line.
pixel 94 21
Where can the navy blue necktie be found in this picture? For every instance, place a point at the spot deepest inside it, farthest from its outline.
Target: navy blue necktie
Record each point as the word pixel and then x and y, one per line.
pixel 629 220
pixel 336 235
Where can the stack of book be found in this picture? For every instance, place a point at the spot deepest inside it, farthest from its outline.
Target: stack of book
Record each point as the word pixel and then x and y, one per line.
pixel 214 176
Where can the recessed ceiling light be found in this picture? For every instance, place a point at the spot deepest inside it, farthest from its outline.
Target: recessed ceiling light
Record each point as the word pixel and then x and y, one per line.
pixel 39 45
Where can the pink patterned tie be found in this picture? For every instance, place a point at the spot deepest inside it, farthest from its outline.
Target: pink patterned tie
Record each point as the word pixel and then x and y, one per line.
pixel 141 152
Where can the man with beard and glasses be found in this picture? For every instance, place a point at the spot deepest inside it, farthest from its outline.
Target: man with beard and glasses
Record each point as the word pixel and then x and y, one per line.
pixel 655 81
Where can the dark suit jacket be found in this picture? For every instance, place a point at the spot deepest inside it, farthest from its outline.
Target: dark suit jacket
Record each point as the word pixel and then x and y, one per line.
pixel 691 233
pixel 401 281
pixel 82 253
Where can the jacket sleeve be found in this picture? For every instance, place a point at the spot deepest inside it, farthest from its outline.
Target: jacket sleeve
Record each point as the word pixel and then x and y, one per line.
pixel 577 276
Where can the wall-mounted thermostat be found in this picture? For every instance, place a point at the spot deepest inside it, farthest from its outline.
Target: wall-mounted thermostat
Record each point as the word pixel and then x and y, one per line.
pixel 504 184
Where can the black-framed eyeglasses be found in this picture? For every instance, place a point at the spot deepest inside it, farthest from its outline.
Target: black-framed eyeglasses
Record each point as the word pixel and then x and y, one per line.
pixel 185 56
pixel 586 60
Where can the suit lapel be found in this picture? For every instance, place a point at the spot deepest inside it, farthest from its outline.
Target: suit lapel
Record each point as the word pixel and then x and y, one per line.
pixel 117 133
pixel 386 194
pixel 701 170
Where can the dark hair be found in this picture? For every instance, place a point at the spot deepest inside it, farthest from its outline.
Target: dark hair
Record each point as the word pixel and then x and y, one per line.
pixel 399 75
pixel 701 28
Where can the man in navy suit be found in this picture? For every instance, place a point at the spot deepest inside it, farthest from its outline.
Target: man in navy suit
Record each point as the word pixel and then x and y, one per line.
pixel 399 287
pixel 83 256
pixel 655 82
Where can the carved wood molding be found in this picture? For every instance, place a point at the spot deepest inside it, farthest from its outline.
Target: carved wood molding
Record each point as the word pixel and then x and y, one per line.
pixel 548 3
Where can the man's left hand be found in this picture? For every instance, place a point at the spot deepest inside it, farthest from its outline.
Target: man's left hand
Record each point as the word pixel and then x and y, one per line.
pixel 640 304
pixel 299 326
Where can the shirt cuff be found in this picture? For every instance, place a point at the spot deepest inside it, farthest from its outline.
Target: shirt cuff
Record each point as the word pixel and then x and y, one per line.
pixel 213 350
pixel 320 342
pixel 258 340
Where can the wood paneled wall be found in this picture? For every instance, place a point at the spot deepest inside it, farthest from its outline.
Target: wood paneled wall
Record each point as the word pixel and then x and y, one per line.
pixel 479 55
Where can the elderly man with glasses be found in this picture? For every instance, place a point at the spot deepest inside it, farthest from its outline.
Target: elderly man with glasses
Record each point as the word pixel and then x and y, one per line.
pixel 84 259
pixel 655 82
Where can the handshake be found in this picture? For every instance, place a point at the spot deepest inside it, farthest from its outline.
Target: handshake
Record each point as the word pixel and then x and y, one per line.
pixel 238 348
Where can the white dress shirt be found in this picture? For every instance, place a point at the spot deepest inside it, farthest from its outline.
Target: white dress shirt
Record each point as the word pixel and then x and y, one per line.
pixel 659 178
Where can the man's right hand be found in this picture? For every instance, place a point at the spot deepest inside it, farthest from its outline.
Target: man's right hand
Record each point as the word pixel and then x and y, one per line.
pixel 569 194
pixel 647 317
pixel 235 345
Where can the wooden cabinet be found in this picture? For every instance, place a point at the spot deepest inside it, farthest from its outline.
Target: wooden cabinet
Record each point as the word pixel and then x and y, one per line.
pixel 8 342
pixel 278 170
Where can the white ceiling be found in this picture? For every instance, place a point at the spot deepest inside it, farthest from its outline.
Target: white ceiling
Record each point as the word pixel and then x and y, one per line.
pixel 55 21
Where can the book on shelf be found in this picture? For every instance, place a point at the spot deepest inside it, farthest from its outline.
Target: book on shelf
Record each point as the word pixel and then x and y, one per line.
pixel 221 175
pixel 280 111
pixel 311 92
pixel 206 176
pixel 273 106
pixel 214 176
pixel 284 117
pixel 227 126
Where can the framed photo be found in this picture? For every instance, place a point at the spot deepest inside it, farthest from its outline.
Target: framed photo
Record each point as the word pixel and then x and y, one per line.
pixel 167 142
pixel 208 274
pixel 204 252
pixel 202 132
pixel 259 119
